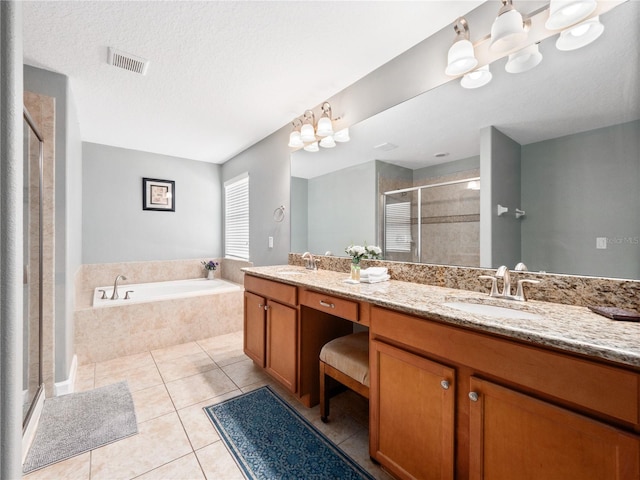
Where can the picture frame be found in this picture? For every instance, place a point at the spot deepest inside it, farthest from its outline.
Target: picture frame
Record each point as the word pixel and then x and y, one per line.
pixel 158 195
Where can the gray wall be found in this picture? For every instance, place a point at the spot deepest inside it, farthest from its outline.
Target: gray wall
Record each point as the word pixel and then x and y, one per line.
pixel 268 165
pixel 577 188
pixel 500 236
pixel 68 207
pixel 447 168
pixel 342 209
pixel 299 214
pixel 116 229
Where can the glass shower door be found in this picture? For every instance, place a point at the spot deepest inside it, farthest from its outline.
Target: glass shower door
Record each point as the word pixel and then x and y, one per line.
pixel 32 267
pixel 401 233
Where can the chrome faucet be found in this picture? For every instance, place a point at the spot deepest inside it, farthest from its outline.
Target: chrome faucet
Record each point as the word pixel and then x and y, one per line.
pixel 114 295
pixel 309 261
pixel 505 275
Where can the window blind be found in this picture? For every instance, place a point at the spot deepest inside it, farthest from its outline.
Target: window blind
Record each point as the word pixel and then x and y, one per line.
pixel 398 227
pixel 236 218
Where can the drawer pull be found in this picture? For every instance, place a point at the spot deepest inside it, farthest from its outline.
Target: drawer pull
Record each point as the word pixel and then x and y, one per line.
pixel 444 384
pixel 473 396
pixel 325 304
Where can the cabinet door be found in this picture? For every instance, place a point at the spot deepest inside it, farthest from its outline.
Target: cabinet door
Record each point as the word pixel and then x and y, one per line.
pixel 513 435
pixel 411 413
pixel 254 327
pixel 282 344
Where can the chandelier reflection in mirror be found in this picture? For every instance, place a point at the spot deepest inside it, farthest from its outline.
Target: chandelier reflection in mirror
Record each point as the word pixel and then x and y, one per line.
pixel 509 35
pixel 310 136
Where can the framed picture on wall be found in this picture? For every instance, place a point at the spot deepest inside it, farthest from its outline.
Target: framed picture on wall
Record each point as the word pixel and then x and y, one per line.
pixel 158 195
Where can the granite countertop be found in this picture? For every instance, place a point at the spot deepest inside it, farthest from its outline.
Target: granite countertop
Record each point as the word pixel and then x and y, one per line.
pixel 569 328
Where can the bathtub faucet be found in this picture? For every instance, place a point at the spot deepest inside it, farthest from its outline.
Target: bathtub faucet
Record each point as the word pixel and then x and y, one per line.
pixel 114 296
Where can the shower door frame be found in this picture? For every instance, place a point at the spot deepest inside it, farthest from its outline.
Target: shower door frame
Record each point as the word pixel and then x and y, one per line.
pixel 419 211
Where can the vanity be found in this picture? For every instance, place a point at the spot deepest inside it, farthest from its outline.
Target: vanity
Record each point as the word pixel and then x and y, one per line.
pixel 552 391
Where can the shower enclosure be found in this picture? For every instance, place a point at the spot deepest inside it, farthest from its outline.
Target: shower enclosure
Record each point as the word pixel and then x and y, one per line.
pixel 435 223
pixel 33 386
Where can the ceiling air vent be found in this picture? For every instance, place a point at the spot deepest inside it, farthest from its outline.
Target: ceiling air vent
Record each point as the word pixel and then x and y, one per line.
pixel 386 146
pixel 133 63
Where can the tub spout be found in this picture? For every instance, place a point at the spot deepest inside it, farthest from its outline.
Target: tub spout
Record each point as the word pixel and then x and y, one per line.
pixel 114 295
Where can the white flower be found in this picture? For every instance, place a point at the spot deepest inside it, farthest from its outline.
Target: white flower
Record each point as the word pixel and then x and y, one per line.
pixel 373 250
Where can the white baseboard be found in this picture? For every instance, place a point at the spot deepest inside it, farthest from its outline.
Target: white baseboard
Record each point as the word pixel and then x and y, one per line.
pixel 67 386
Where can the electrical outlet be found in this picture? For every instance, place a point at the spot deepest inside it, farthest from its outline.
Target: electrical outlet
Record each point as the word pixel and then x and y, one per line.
pixel 601 242
pixel 270 242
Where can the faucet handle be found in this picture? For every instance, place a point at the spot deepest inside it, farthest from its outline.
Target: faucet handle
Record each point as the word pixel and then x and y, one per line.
pixel 520 295
pixel 126 295
pixel 494 284
pixel 104 294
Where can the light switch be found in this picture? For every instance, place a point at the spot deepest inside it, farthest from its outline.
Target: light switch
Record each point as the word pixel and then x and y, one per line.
pixel 270 242
pixel 601 242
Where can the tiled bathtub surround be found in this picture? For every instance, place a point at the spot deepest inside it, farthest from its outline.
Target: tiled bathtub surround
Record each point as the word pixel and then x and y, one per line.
pixel 105 333
pixel 563 289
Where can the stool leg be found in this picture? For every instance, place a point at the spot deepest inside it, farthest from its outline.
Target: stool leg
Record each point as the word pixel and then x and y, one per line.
pixel 324 396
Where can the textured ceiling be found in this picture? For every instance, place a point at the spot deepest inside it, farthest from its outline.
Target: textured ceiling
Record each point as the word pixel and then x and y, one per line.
pixel 223 75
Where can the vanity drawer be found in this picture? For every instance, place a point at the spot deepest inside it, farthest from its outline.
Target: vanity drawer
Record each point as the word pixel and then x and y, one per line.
pixel 339 307
pixel 280 292
pixel 574 381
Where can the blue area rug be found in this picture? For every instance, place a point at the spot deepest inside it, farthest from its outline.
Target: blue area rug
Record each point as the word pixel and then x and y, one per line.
pixel 270 440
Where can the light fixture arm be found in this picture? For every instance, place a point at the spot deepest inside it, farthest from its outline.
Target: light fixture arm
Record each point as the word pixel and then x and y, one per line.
pixel 461 27
pixel 309 117
pixel 507 6
pixel 326 109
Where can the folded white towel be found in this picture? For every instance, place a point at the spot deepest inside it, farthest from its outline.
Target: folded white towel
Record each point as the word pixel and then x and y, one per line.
pixel 375 279
pixel 374 272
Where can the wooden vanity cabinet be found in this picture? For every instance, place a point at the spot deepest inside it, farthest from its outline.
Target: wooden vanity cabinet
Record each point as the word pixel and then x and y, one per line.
pixel 518 410
pixel 286 327
pixel 271 328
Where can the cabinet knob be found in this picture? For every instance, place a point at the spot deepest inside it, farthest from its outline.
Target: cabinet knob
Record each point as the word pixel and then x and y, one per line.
pixel 473 396
pixel 444 384
pixel 266 307
pixel 260 305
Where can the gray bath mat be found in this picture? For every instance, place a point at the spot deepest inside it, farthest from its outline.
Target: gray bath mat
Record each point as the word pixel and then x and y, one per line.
pixel 76 423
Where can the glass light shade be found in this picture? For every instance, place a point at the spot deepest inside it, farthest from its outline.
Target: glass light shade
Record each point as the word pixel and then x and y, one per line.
pixel 477 78
pixel 312 147
pixel 294 139
pixel 507 32
pixel 461 58
pixel 581 35
pixel 324 127
pixel 524 60
pixel 563 13
pixel 307 134
pixel 327 142
pixel 342 136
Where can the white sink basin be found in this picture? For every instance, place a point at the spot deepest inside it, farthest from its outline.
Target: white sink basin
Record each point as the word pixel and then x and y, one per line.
pixel 492 310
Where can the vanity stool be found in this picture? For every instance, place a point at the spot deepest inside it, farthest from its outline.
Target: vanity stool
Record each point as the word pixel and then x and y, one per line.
pixel 345 359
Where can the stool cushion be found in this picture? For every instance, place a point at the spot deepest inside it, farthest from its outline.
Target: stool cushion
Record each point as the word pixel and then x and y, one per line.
pixel 350 355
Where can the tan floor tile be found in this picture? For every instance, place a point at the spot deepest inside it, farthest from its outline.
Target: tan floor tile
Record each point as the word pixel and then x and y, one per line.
pixel 176 351
pixel 122 364
pixel 217 463
pixel 196 423
pixel 225 349
pixel 244 373
pixel 158 441
pixel 75 468
pixel 340 427
pixel 357 447
pixel 197 388
pixel 184 468
pixel 185 366
pixel 137 378
pixel 152 402
pixel 222 341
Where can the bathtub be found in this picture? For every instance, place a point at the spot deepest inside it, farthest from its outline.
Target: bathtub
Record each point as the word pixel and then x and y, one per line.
pixel 158 315
pixel 152 292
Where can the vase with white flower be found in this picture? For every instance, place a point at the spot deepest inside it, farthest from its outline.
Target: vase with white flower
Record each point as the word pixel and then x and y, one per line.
pixel 210 266
pixel 357 253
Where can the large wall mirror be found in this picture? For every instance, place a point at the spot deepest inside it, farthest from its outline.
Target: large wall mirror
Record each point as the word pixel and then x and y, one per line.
pixel 575 119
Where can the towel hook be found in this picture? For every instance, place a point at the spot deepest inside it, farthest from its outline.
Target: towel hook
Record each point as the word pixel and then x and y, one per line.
pixel 278 213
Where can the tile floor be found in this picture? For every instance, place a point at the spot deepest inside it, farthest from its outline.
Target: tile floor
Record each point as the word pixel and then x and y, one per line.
pixel 175 438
